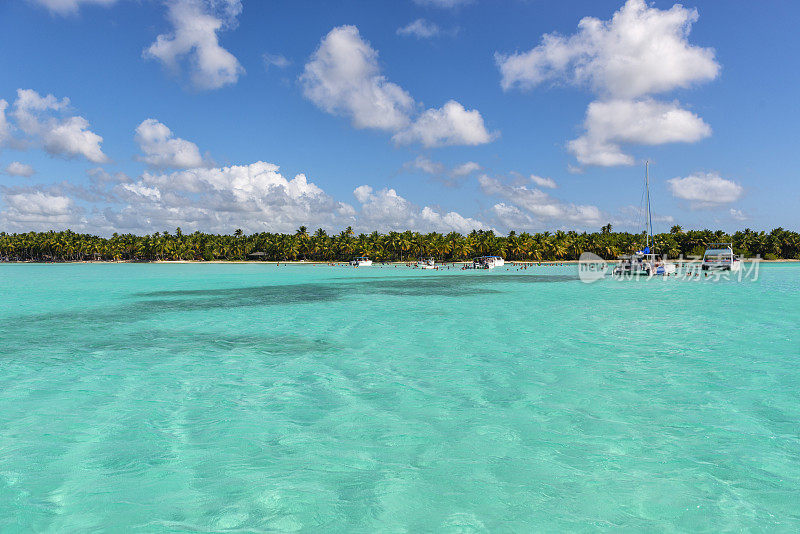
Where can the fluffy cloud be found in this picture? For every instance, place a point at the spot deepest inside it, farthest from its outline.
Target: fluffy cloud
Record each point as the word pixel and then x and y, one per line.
pixel 343 78
pixel 447 126
pixel 641 51
pixel 70 7
pixel 39 203
pixel 163 150
pixel 72 137
pixel 15 168
pixel 254 197
pixel 544 182
pixel 193 40
pixel 705 190
pixel 41 119
pixel 420 28
pixel 618 122
pixel 531 208
pixel 28 209
pixel 387 211
pixel 195 24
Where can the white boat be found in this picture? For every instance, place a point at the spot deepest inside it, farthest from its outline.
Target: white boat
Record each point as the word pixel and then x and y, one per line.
pixel 645 262
pixel 720 257
pixel 428 263
pixel 488 262
pixel 361 262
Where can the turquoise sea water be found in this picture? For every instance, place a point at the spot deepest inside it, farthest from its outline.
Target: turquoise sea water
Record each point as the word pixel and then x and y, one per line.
pixel 256 398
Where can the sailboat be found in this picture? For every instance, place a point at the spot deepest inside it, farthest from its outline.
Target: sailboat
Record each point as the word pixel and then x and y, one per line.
pixel 645 262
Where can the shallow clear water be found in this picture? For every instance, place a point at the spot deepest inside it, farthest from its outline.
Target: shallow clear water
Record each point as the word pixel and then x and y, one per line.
pixel 311 398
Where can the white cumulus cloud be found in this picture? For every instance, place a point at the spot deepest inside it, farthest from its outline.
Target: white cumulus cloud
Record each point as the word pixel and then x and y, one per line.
pixel 15 168
pixel 194 40
pixel 640 51
pixel 447 126
pixel 705 189
pixel 42 120
pixel 343 77
pixel 39 203
pixel 609 125
pixel 162 149
pixel 255 197
pixel 30 209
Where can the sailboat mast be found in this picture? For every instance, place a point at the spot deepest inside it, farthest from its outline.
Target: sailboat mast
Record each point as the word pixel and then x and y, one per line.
pixel 649 220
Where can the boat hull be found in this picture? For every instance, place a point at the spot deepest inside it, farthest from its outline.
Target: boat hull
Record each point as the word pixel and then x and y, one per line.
pixel 733 267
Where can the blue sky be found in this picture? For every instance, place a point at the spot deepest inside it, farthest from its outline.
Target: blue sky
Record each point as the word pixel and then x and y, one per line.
pixel 405 114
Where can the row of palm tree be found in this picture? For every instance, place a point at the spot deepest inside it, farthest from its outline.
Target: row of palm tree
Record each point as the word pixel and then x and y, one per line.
pixel 393 246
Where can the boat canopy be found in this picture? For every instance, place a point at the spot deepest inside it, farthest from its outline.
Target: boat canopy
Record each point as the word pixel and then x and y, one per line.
pixel 719 249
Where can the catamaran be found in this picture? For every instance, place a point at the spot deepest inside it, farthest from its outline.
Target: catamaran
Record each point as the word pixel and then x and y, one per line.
pixel 361 262
pixel 488 262
pixel 720 257
pixel 645 262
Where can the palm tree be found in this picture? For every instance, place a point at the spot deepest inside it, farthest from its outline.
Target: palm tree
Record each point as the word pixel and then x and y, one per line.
pixel 67 245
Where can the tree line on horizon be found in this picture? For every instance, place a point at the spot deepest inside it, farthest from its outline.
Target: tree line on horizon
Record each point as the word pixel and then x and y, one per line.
pixel 66 245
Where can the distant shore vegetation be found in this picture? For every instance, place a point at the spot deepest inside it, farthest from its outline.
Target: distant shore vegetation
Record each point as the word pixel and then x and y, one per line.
pixel 67 246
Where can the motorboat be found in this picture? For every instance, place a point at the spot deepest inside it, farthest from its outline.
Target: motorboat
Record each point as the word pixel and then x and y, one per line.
pixel 720 257
pixel 488 262
pixel 361 262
